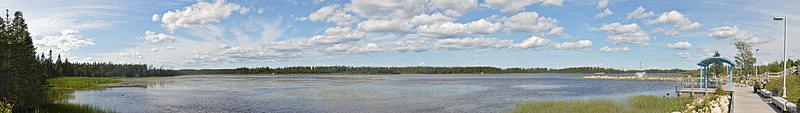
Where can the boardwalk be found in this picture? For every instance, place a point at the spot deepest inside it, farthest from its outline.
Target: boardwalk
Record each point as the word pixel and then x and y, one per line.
pixel 745 101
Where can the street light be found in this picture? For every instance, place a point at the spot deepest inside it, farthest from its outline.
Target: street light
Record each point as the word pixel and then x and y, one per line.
pixel 785 23
pixel 757 75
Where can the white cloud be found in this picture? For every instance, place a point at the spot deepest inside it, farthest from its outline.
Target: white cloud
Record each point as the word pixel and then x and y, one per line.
pixel 583 45
pixel 609 49
pixel 735 34
pixel 399 26
pixel 322 13
pixel 684 45
pixel 605 13
pixel 336 35
pixel 331 14
pixel 529 22
pixel 386 9
pixel 410 46
pixel 156 18
pixel 624 34
pixel 430 19
pixel 518 5
pixel 602 4
pixel 339 49
pixel 640 13
pixel 200 14
pixel 472 43
pixel 450 30
pixel 455 7
pixel 684 55
pixel 533 42
pixel 677 19
pixel 63 44
pixel 153 37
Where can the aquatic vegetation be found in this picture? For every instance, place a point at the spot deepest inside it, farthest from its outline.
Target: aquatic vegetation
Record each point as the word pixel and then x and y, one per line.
pixel 629 78
pixel 61 87
pixel 635 104
pixel 71 108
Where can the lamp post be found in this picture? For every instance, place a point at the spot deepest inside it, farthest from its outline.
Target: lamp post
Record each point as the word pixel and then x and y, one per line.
pixel 759 77
pixel 785 23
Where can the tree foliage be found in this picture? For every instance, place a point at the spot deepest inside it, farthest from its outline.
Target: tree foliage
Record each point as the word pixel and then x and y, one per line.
pixel 744 58
pixel 22 81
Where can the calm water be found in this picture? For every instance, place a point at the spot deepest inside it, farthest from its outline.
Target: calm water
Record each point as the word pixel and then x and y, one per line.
pixel 359 93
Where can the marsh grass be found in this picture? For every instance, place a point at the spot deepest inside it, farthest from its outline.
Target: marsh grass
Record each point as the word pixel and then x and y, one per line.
pixel 71 108
pixel 635 104
pixel 61 87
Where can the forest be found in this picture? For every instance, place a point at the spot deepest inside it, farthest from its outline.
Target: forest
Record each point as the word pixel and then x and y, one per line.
pixel 23 71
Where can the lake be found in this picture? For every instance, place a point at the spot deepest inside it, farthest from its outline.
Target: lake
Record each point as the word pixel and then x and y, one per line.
pixel 359 93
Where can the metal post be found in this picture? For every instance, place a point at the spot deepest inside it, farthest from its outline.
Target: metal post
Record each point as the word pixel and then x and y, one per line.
pixel 730 77
pixel 785 23
pixel 701 80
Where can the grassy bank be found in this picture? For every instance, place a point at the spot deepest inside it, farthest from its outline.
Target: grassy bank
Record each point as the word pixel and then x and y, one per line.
pixel 792 86
pixel 61 88
pixel 635 104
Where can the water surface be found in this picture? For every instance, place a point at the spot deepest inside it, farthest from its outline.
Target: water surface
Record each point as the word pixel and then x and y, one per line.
pixel 359 93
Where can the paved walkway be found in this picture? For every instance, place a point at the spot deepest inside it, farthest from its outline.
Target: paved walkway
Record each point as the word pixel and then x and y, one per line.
pixel 745 101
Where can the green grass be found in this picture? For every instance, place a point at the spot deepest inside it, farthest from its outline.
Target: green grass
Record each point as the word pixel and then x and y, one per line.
pixel 635 104
pixel 792 86
pixel 61 87
pixel 71 108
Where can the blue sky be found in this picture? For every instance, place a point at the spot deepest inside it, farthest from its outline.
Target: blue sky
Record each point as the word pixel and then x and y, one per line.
pixel 501 33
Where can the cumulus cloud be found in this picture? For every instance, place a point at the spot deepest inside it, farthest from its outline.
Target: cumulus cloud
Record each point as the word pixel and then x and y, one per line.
pixel 156 18
pixel 450 30
pixel 609 49
pixel 410 46
pixel 684 55
pixel 385 9
pixel 676 19
pixel 624 33
pixel 583 45
pixel 353 49
pixel 605 13
pixel 153 37
pixel 472 43
pixel 734 33
pixel 533 42
pixel 684 45
pixel 336 35
pixel 640 13
pixel 399 26
pixel 529 22
pixel 332 13
pixel 227 54
pixel 518 5
pixel 430 19
pixel 455 7
pixel 62 44
pixel 200 13
pixel 602 4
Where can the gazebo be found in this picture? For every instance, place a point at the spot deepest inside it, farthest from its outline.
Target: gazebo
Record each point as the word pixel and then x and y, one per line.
pixel 709 61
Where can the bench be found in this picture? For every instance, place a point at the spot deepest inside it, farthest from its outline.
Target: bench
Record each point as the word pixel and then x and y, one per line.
pixel 764 93
pixel 784 104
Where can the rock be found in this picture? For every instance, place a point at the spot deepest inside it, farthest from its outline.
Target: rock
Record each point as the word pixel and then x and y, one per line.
pixel 716 110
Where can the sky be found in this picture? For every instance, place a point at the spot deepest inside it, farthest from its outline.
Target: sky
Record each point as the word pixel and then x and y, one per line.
pixel 191 34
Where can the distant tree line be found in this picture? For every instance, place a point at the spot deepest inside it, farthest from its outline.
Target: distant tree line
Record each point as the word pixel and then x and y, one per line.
pixel 58 67
pixel 411 70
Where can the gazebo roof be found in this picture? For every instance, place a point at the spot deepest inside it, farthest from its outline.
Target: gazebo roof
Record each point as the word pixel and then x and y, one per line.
pixel 710 60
